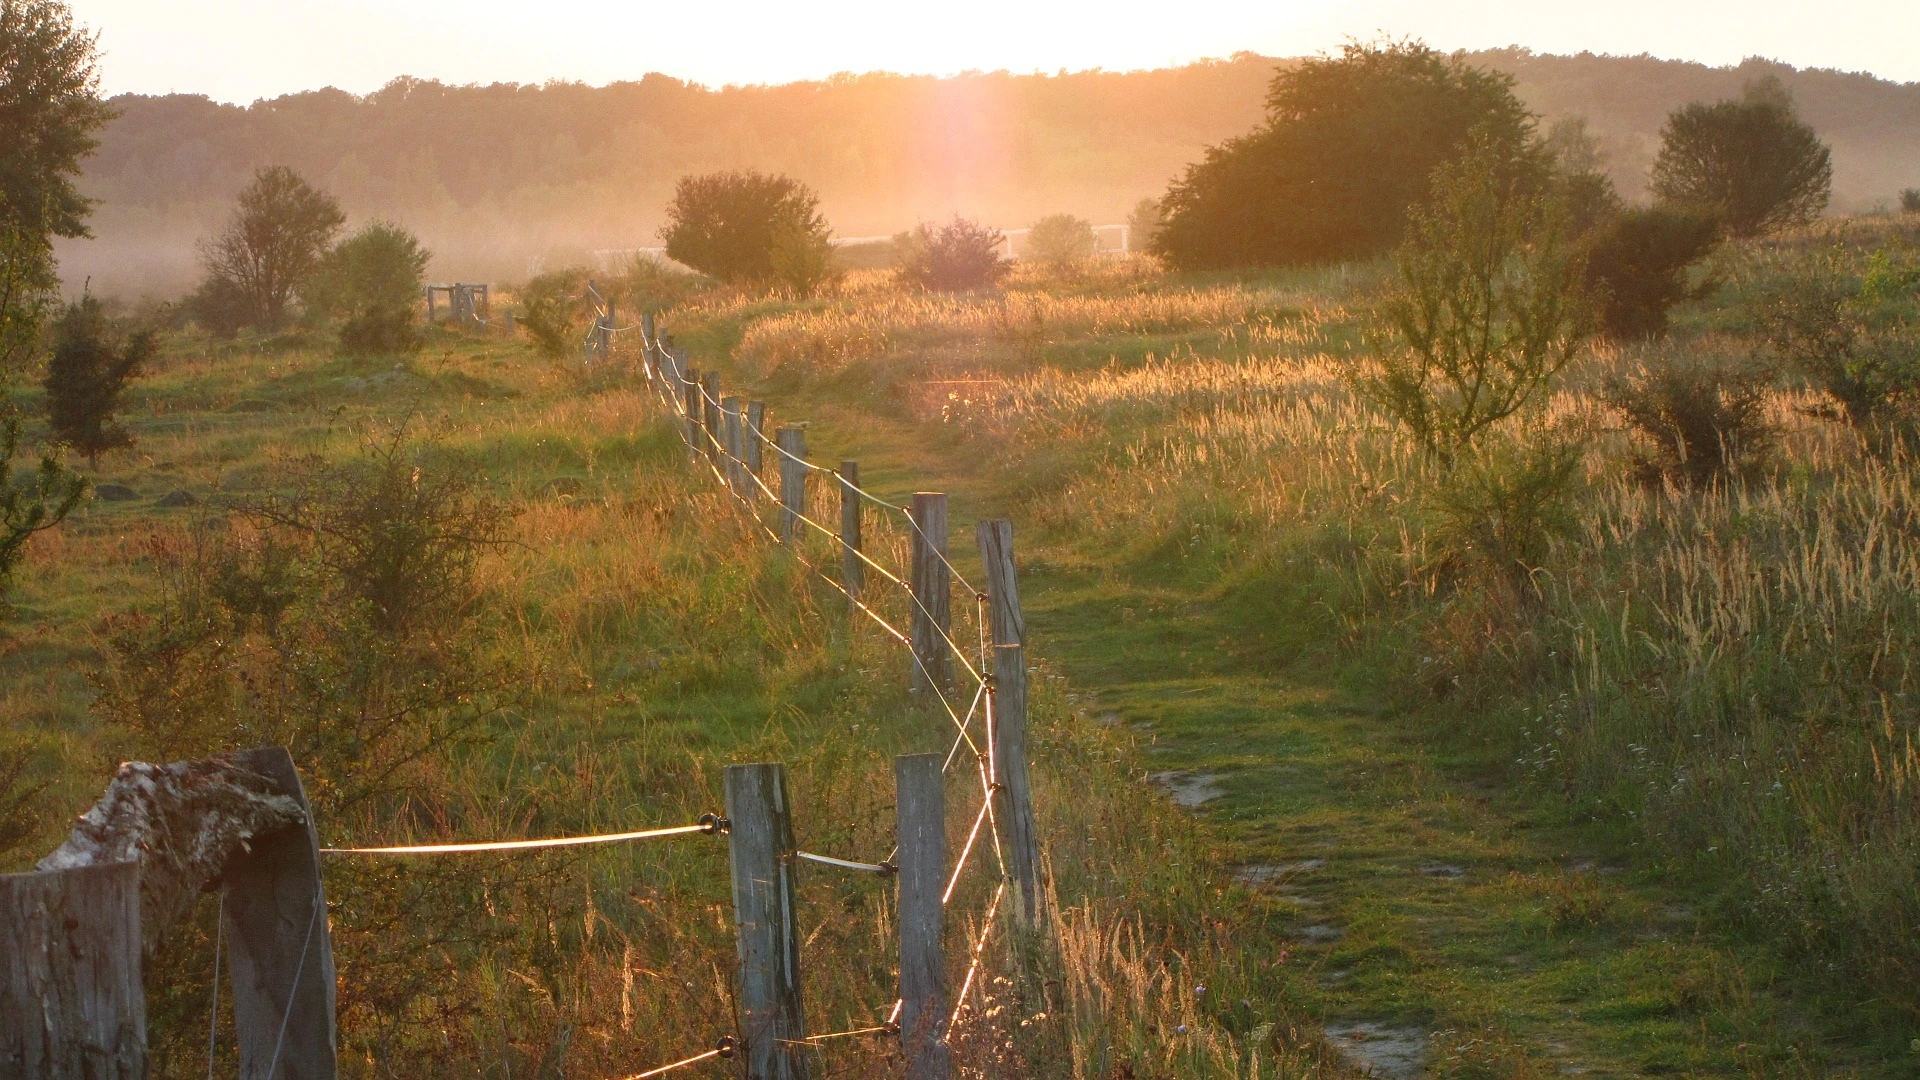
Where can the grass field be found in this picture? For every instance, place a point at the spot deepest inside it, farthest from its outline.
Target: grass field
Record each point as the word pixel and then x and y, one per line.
pixel 1646 811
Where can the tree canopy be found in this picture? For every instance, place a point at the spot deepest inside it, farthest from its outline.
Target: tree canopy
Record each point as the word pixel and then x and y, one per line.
pixel 728 224
pixel 279 233
pixel 1350 143
pixel 1753 162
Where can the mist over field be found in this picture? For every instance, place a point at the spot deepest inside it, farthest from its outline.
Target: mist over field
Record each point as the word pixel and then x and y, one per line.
pixel 503 180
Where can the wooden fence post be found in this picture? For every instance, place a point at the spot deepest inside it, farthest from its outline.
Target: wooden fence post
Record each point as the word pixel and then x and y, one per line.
pixel 793 479
pixel 921 832
pixel 279 953
pixel 648 343
pixel 710 410
pixel 1009 734
pixel 690 398
pixel 71 1000
pixel 932 585
pixel 730 424
pixel 756 426
pixel 852 571
pixel 767 931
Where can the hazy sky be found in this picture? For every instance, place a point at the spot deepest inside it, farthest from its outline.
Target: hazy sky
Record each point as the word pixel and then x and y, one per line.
pixel 239 50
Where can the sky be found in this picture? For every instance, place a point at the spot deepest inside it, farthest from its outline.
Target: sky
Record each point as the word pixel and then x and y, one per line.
pixel 243 50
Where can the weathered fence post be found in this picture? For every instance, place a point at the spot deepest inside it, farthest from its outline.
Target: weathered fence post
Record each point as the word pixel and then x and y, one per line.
pixel 932 585
pixel 710 410
pixel 1009 701
pixel 648 343
pixel 921 833
pixel 430 305
pixel 730 424
pixel 690 402
pixel 71 1001
pixel 772 1022
pixel 793 479
pixel 852 571
pixel 279 953
pixel 756 421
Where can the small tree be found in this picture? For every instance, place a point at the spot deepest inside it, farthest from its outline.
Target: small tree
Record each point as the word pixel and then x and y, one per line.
pixel 89 369
pixel 1143 224
pixel 725 224
pixel 802 259
pixel 1638 264
pixel 1490 306
pixel 1061 240
pixel 281 230
pixel 957 256
pixel 372 282
pixel 1910 201
pixel 1847 328
pixel 1752 162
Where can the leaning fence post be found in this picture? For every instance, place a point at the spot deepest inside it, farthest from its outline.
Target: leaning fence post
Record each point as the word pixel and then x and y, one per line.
pixel 792 438
pixel 932 583
pixel 921 833
pixel 280 955
pixel 71 999
pixel 730 425
pixel 1009 715
pixel 756 426
pixel 710 411
pixel 773 1024
pixel 690 398
pixel 852 572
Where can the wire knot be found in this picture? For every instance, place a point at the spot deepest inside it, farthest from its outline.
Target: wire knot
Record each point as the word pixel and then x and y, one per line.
pixel 715 825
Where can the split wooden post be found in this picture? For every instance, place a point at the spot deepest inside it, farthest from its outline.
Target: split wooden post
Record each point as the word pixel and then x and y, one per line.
pixel 730 425
pixel 852 571
pixel 755 421
pixel 690 398
pixel 792 438
pixel 767 930
pixel 932 583
pixel 921 833
pixel 279 953
pixel 71 1000
pixel 1009 715
pixel 710 409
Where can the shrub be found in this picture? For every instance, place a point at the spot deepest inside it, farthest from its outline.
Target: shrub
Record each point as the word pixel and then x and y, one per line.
pixel 1506 502
pixel 725 224
pixel 1752 162
pixel 553 311
pixel 372 281
pixel 1350 144
pixel 1849 329
pixel 649 284
pixel 1910 201
pixel 957 256
pixel 89 369
pixel 1490 307
pixel 33 506
pixel 1061 240
pixel 802 259
pixel 220 307
pixel 1638 263
pixel 1703 418
pixel 280 232
pixel 1582 188
pixel 1143 224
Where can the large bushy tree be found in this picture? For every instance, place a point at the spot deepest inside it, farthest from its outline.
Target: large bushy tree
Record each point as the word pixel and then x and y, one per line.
pixel 1753 162
pixel 729 225
pixel 50 108
pixel 279 233
pixel 1351 142
pixel 371 282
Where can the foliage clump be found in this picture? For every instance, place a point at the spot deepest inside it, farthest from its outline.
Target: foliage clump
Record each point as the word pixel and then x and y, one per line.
pixel 1639 265
pixel 88 371
pixel 280 232
pixel 1752 162
pixel 1351 142
pixel 748 227
pixel 956 257
pixel 1061 241
pixel 371 282
pixel 1702 418
pixel 1847 321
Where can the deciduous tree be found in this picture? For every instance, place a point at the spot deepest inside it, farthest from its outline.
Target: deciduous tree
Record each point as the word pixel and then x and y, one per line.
pixel 1752 161
pixel 279 233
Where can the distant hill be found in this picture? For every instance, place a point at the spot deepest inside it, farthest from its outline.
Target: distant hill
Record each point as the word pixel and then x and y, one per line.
pixel 501 178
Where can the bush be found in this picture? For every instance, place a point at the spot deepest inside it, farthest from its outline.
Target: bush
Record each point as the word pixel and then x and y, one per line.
pixel 651 285
pixel 1506 502
pixel 957 256
pixel 1490 307
pixel 1638 263
pixel 372 280
pixel 88 371
pixel 1061 240
pixel 1350 143
pixel 1143 224
pixel 726 224
pixel 1910 201
pixel 554 312
pixel 1751 162
pixel 33 506
pixel 802 260
pixel 220 307
pixel 1849 328
pixel 1703 418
